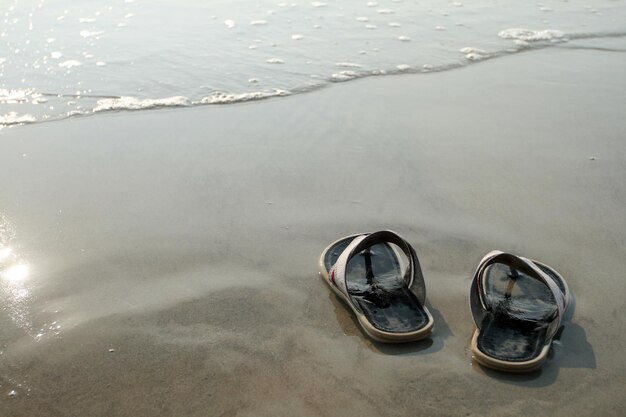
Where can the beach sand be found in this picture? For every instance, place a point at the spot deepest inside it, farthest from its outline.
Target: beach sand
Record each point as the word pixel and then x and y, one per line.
pixel 172 255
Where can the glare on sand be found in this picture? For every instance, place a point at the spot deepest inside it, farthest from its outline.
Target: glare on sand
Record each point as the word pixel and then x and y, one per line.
pixel 5 253
pixel 15 273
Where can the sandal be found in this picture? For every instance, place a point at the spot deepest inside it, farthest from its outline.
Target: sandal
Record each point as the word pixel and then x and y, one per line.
pixel 517 305
pixel 366 271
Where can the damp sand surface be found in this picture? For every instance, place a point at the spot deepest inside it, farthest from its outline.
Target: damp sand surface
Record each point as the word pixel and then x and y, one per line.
pixel 164 262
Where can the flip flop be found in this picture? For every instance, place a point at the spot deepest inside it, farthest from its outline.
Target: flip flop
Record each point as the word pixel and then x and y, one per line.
pixel 517 305
pixel 378 275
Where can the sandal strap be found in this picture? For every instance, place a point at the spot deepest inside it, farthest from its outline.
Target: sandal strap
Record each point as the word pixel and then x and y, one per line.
pixel 478 303
pixel 413 276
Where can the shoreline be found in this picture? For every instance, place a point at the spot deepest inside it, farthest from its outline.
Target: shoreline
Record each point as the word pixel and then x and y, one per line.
pixel 219 98
pixel 187 240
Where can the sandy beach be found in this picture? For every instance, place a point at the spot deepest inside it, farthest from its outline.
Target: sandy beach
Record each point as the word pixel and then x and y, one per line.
pixel 171 255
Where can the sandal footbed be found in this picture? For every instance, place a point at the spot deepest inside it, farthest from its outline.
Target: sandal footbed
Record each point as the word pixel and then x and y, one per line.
pixel 388 305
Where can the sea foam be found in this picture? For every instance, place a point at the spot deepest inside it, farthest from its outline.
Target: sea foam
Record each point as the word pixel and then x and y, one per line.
pixel 219 97
pixel 529 35
pixel 13 118
pixel 133 103
pixel 216 97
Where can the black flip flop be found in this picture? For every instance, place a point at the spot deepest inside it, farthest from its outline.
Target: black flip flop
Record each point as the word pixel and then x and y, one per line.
pixel 517 305
pixel 366 271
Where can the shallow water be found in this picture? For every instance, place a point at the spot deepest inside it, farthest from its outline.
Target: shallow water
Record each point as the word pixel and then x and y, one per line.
pixel 60 58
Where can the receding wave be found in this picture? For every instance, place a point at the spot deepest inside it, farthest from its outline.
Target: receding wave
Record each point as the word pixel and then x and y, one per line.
pixel 522 40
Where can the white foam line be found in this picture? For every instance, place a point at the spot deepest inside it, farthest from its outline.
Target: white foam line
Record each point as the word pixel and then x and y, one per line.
pixel 12 118
pixel 133 103
pixel 529 35
pixel 219 97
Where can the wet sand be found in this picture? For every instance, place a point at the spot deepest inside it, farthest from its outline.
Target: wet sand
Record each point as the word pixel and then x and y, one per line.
pixel 171 255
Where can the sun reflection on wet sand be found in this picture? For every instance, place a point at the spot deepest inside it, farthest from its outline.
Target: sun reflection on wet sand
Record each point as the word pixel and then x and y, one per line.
pixel 15 274
pixel 5 253
pixel 15 286
pixel 14 290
